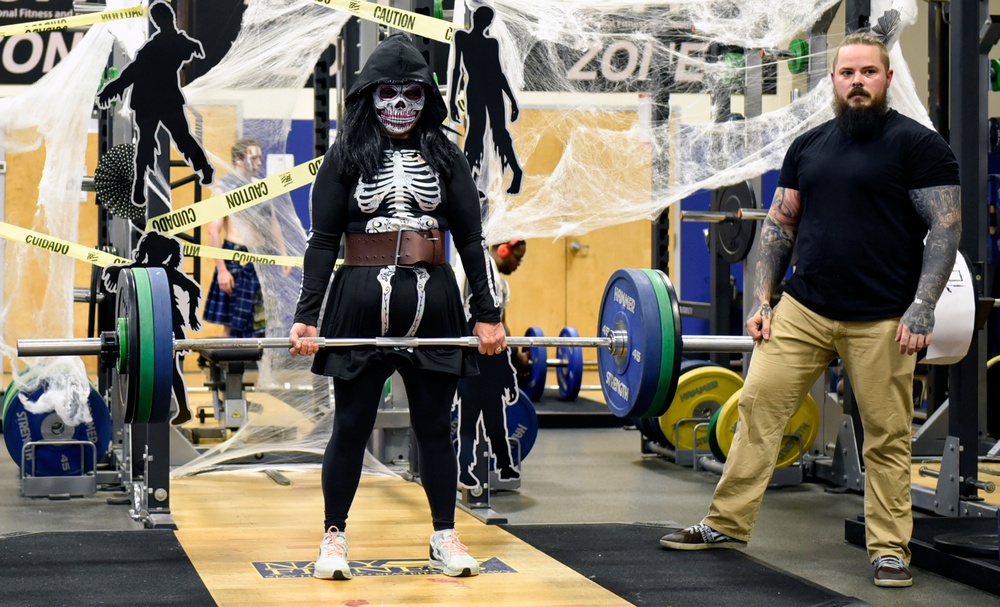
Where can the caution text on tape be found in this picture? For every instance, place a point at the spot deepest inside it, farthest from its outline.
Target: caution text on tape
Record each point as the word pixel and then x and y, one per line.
pixel 216 207
pixel 415 23
pixel 50 25
pixel 57 245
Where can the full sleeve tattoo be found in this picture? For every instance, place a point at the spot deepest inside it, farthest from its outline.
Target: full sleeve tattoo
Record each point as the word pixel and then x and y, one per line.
pixel 940 208
pixel 777 238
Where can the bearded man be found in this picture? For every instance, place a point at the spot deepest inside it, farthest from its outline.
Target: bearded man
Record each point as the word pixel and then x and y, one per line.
pixel 856 198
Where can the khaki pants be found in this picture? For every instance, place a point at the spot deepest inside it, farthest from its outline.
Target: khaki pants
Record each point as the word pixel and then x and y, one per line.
pixel 782 370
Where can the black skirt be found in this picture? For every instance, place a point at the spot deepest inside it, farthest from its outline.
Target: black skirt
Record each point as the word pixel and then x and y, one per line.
pixel 355 310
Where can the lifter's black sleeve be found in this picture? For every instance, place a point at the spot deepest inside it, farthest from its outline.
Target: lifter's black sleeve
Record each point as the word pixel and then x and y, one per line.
pixel 467 233
pixel 328 210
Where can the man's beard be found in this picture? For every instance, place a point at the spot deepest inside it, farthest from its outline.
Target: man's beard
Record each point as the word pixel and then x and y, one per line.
pixel 861 122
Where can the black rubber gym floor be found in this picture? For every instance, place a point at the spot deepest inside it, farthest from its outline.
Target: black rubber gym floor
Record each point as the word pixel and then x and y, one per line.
pixel 628 560
pixel 114 568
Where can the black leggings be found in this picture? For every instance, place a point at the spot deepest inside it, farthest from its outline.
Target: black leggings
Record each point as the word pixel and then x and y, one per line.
pixel 356 401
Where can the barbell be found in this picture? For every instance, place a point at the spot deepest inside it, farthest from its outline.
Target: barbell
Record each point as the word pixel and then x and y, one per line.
pixel 639 347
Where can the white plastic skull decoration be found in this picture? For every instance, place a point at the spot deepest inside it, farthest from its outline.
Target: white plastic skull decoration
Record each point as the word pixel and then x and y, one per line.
pixel 398 105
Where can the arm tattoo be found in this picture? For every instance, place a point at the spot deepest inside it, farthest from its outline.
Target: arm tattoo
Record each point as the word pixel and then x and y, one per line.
pixel 940 208
pixel 777 238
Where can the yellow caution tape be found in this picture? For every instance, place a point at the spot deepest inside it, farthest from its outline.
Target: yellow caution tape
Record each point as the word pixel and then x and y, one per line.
pixel 62 23
pixel 195 250
pixel 63 247
pixel 250 195
pixel 105 259
pixel 415 23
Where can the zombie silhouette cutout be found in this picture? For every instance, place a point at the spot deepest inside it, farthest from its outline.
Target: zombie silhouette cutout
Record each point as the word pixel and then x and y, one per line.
pixel 482 403
pixel 478 57
pixel 155 250
pixel 154 77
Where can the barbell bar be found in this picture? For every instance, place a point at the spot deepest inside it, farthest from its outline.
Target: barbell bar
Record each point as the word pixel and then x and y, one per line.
pixel 724 216
pixel 93 346
pixel 639 351
pixel 639 347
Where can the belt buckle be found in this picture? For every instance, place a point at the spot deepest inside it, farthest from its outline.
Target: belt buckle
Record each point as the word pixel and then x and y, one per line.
pixel 420 263
pixel 399 242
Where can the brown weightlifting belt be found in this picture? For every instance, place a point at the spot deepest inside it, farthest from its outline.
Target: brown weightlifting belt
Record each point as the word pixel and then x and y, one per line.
pixel 403 248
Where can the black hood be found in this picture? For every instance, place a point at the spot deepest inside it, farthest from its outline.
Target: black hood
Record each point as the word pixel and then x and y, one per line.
pixel 396 59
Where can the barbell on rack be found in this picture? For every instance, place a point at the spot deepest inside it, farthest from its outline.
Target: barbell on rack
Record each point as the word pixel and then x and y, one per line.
pixel 639 350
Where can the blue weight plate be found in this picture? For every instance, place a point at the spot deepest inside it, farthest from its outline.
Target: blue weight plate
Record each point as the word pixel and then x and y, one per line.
pixel 522 423
pixel 570 377
pixel 629 380
pixel 534 384
pixel 63 460
pixel 650 428
pixel 163 344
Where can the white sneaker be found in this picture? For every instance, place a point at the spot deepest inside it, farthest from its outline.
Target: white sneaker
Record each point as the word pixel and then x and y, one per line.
pixel 451 556
pixel 332 561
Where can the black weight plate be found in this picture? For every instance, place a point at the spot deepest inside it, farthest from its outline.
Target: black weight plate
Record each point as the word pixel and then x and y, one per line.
pixel 735 238
pixel 969 544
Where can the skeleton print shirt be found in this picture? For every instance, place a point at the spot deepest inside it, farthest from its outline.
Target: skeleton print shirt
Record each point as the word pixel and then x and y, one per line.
pixel 406 192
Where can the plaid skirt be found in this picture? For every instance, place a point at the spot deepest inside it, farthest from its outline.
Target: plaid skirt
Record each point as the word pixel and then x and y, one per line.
pixel 236 309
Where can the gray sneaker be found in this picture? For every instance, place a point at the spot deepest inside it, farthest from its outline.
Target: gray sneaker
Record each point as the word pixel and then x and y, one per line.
pixel 699 537
pixel 892 572
pixel 451 556
pixel 332 561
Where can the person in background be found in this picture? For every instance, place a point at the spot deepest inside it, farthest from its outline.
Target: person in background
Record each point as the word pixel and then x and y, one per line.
pixel 391 185
pixel 235 299
pixel 856 199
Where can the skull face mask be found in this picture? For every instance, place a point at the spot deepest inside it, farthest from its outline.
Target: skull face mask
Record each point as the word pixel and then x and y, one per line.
pixel 398 105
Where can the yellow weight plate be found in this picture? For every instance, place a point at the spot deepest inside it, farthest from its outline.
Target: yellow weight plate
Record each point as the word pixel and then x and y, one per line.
pixel 725 424
pixel 700 393
pixel 803 423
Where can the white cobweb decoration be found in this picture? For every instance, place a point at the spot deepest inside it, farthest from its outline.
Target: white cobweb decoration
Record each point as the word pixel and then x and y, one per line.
pixel 602 177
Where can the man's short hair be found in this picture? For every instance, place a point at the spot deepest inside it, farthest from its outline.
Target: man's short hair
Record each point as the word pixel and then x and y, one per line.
pixel 241 146
pixel 865 38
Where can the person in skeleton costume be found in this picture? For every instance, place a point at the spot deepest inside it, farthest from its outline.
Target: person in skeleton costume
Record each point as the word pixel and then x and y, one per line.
pixel 391 185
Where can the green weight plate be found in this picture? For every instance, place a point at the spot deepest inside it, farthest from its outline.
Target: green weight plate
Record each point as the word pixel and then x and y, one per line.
pixel 128 378
pixel 667 377
pixel 800 62
pixel 145 351
pixel 700 392
pixel 735 66
pixel 713 440
pixel 673 348
pixel 163 345
pixel 995 74
pixel 7 395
